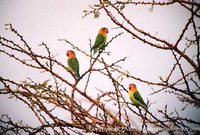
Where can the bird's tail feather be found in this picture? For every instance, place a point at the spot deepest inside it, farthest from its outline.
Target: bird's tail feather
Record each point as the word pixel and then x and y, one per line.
pixel 95 50
pixel 145 106
pixel 78 76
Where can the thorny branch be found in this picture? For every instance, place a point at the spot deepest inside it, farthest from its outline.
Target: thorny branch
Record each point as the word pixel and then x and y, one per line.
pixel 59 93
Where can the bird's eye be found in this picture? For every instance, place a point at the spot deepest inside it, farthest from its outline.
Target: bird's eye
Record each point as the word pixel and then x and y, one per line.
pixel 129 87
pixel 106 30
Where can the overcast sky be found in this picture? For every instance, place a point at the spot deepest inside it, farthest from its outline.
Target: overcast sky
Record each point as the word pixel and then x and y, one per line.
pixel 48 20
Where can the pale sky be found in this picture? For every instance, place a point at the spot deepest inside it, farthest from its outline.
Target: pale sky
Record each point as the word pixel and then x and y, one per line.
pixel 49 20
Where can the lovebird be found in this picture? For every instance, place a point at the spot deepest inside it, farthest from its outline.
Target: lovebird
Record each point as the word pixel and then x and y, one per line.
pixel 73 64
pixel 100 40
pixel 135 96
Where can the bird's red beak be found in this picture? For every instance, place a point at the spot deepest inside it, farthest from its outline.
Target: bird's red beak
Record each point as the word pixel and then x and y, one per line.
pixel 130 85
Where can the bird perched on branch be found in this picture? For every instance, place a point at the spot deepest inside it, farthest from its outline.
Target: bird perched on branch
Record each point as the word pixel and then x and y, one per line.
pixel 100 40
pixel 73 64
pixel 135 96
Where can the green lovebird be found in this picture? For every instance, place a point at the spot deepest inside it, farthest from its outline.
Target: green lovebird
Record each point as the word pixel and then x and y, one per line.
pixel 135 97
pixel 73 64
pixel 100 40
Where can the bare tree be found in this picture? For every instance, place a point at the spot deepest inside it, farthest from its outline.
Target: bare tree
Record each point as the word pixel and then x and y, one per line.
pixel 58 93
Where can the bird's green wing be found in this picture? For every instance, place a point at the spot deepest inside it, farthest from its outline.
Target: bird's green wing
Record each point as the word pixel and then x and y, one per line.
pixel 100 39
pixel 138 97
pixel 74 65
